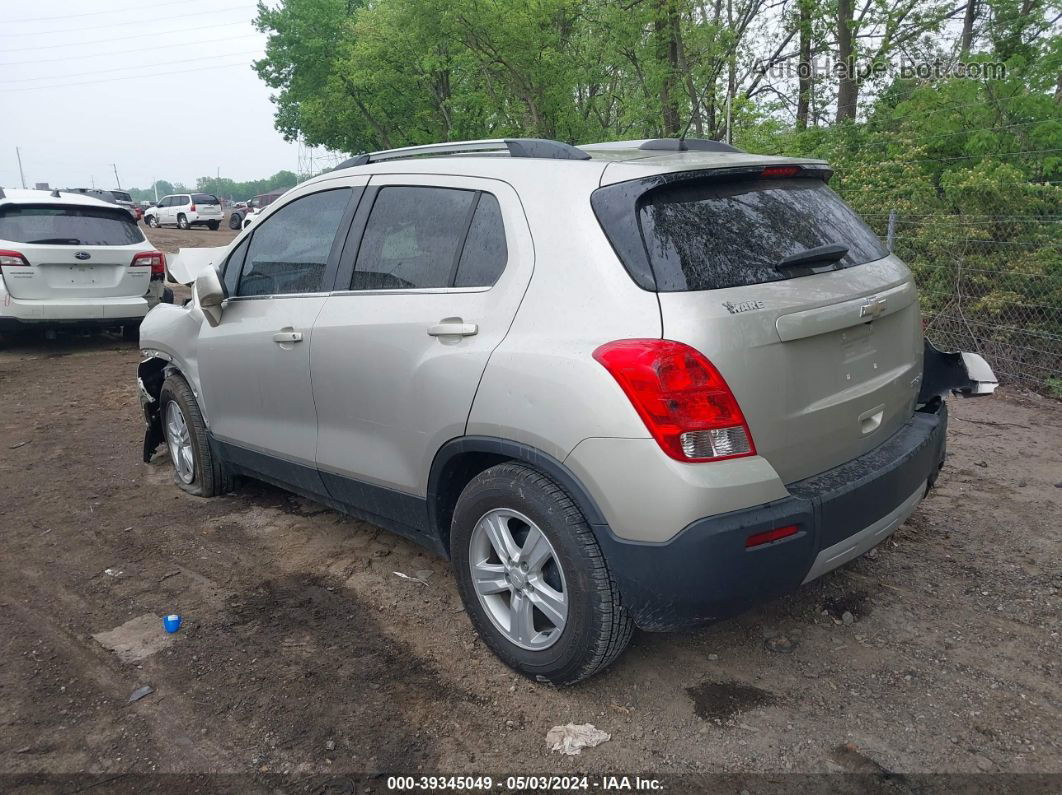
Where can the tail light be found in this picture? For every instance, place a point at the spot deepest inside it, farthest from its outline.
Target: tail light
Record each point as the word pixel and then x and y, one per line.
pixel 11 258
pixel 681 398
pixel 155 259
pixel 192 208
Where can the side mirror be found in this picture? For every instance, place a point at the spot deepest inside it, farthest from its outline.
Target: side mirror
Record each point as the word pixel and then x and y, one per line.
pixel 209 294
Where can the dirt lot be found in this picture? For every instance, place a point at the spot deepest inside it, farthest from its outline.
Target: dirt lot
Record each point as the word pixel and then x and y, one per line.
pixel 303 653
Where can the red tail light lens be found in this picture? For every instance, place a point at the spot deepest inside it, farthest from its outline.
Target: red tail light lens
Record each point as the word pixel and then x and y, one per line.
pixel 780 171
pixel 681 398
pixel 9 258
pixel 155 259
pixel 192 208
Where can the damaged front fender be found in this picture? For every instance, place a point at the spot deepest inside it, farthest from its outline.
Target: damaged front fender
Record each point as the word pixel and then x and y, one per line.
pixel 956 372
pixel 151 373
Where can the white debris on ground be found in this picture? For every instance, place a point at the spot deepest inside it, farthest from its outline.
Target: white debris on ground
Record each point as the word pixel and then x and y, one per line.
pixel 572 738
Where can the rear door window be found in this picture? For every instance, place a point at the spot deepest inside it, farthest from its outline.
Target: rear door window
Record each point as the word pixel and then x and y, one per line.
pixel 69 226
pixel 290 249
pixel 711 234
pixel 412 238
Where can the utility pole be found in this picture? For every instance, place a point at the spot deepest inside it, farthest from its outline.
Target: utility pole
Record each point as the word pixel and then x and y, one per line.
pixel 18 154
pixel 116 176
pixel 155 185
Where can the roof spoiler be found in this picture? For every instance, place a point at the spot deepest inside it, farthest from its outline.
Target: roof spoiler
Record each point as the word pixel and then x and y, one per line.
pixel 688 145
pixel 514 147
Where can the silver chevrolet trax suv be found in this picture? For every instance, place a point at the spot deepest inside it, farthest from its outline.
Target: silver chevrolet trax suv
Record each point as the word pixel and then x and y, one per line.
pixel 639 384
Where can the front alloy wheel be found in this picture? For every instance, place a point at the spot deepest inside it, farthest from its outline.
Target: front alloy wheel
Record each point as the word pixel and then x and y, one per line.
pixel 195 468
pixel 179 441
pixel 519 580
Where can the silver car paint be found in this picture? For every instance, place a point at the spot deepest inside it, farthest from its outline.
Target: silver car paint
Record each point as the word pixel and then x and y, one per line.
pixel 388 395
pixel 541 385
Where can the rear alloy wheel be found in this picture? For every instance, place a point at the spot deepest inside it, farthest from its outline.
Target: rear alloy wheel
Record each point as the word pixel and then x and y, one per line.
pixel 519 584
pixel 533 579
pixel 195 469
pixel 182 222
pixel 153 221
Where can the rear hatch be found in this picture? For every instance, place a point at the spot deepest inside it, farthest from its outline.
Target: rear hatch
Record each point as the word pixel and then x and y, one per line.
pixel 823 355
pixel 206 204
pixel 72 252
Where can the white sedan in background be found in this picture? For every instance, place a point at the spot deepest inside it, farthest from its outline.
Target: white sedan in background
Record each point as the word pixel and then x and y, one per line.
pixel 70 259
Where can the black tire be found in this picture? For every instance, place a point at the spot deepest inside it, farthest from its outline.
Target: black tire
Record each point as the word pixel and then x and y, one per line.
pixel 210 478
pixel 131 331
pixel 153 221
pixel 235 221
pixel 167 296
pixel 213 225
pixel 182 222
pixel 598 628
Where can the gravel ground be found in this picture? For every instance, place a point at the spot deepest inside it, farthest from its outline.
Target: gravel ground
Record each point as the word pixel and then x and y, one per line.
pixel 303 653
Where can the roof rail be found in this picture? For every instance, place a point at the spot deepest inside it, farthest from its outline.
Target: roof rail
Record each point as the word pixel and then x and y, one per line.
pixel 55 194
pixel 688 145
pixel 2 194
pixel 516 147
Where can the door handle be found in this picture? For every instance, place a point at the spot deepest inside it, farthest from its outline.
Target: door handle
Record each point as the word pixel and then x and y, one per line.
pixel 284 337
pixel 453 329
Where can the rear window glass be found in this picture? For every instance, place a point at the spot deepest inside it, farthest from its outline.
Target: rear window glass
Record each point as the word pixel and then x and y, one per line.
pixel 121 196
pixel 705 235
pixel 69 226
pixel 204 198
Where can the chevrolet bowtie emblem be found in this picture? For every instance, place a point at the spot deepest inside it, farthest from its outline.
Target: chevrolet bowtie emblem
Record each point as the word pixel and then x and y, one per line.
pixel 873 306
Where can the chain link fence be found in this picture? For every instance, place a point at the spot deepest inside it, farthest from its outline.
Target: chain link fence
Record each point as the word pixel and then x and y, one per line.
pixel 990 284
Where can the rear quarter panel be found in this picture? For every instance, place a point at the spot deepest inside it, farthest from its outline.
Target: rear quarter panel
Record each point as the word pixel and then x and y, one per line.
pixel 542 386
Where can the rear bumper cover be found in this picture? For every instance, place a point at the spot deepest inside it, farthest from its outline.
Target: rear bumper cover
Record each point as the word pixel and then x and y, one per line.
pixel 111 311
pixel 706 573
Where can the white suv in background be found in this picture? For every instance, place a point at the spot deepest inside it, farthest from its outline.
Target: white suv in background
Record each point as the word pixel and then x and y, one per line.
pixel 185 210
pixel 67 258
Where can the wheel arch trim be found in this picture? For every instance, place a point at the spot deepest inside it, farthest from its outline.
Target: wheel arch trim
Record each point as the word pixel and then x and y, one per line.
pixel 454 449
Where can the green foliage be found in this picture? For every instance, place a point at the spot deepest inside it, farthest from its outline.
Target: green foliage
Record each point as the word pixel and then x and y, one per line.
pixel 971 167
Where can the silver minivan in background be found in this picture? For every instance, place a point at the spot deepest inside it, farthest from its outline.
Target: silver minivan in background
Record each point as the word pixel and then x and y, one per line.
pixel 646 383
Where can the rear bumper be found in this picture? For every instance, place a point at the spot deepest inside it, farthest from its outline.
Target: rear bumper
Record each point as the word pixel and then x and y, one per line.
pixel 18 313
pixel 706 573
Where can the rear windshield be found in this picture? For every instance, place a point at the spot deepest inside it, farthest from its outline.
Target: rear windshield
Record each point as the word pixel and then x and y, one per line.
pixel 707 234
pixel 69 226
pixel 121 196
pixel 204 198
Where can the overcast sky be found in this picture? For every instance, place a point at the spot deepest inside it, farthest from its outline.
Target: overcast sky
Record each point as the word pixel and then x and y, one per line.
pixel 164 89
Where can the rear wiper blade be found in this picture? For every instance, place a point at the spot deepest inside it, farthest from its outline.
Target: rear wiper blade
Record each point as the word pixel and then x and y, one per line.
pixel 831 252
pixel 72 241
